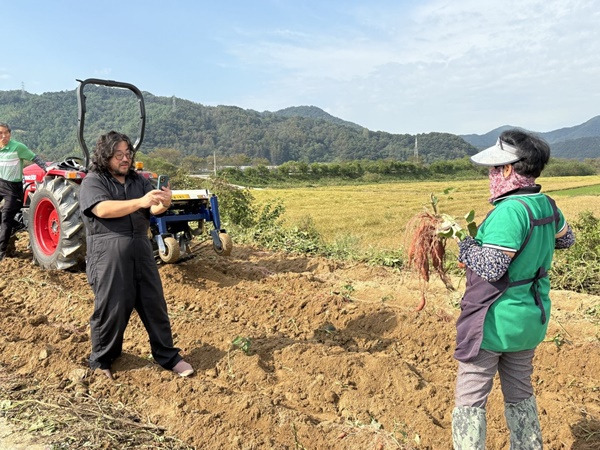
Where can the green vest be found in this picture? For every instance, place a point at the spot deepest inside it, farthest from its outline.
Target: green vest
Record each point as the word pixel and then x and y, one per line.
pixel 513 321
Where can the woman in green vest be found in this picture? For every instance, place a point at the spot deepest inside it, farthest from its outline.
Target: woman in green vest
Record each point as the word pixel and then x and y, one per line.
pixel 506 305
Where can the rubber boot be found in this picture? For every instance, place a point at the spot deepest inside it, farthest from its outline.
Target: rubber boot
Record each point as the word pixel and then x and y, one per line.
pixel 468 428
pixel 524 425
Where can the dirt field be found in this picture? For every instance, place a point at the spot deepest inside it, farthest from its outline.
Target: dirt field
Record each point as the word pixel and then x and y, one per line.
pixel 329 356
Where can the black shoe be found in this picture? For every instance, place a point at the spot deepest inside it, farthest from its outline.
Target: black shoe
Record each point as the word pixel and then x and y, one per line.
pixel 108 373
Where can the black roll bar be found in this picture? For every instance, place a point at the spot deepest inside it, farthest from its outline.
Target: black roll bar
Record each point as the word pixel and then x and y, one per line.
pixel 81 114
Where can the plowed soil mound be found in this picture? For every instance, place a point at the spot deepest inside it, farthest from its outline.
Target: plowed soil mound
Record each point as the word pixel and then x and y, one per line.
pixel 328 356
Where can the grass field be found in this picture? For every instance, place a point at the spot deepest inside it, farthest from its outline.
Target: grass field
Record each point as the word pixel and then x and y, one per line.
pixel 375 215
pixel 578 191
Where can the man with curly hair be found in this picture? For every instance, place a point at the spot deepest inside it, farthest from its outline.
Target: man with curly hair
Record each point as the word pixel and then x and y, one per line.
pixel 116 203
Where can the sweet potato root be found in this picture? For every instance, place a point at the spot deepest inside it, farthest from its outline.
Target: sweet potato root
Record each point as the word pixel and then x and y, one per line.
pixel 426 246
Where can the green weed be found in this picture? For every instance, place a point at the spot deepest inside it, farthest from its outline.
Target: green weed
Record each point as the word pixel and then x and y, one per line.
pixel 269 231
pixel 388 258
pixel 593 312
pixel 559 340
pixel 578 268
pixel 243 343
pixel 347 290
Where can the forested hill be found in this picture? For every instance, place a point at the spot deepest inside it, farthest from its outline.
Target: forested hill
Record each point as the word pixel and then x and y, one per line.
pixel 47 123
pixel 579 148
pixel 313 112
pixel 578 142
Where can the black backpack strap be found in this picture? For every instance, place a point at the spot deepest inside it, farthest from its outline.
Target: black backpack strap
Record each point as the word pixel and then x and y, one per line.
pixel 555 211
pixel 541 272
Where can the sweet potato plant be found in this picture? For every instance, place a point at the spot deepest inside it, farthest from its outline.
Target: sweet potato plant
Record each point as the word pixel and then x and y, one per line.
pixel 427 233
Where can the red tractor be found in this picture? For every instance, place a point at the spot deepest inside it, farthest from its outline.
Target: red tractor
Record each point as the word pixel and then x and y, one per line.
pixel 51 214
pixel 51 198
pixel 51 205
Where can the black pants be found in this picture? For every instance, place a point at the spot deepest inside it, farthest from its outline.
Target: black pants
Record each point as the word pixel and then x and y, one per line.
pixel 12 194
pixel 123 275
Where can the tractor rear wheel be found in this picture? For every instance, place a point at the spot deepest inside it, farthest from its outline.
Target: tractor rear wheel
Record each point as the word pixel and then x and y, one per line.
pixel 56 231
pixel 172 250
pixel 226 245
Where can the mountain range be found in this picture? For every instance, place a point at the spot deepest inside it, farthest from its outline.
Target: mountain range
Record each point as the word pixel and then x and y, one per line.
pixel 47 123
pixel 578 142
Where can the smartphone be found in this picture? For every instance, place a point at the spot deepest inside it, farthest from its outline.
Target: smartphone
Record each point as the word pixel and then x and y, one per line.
pixel 163 180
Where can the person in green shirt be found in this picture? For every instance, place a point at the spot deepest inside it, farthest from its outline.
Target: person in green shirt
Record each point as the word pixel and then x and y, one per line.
pixel 506 305
pixel 12 155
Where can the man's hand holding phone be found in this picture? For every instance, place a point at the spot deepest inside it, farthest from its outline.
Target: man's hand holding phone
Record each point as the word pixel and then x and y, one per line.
pixel 163 181
pixel 164 187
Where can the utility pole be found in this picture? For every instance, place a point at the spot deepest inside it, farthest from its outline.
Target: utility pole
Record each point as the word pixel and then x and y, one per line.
pixel 416 153
pixel 215 163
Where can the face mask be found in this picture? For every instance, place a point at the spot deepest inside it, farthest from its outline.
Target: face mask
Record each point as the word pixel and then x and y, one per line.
pixel 500 185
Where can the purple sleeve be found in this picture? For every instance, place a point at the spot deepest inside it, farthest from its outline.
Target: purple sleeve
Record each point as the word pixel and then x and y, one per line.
pixel 565 241
pixel 489 263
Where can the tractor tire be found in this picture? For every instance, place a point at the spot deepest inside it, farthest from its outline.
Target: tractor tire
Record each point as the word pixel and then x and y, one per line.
pixel 226 245
pixel 172 250
pixel 56 231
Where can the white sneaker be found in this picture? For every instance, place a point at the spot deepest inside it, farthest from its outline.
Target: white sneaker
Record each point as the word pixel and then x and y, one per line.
pixel 183 369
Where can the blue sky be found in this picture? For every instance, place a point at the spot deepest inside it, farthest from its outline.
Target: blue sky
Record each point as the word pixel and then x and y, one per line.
pixel 401 66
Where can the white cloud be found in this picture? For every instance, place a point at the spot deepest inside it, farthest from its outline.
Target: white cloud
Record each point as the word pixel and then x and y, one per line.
pixel 462 66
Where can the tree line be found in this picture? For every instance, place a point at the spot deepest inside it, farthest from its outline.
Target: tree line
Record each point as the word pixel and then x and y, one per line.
pixel 47 123
pixel 258 174
pixel 384 170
